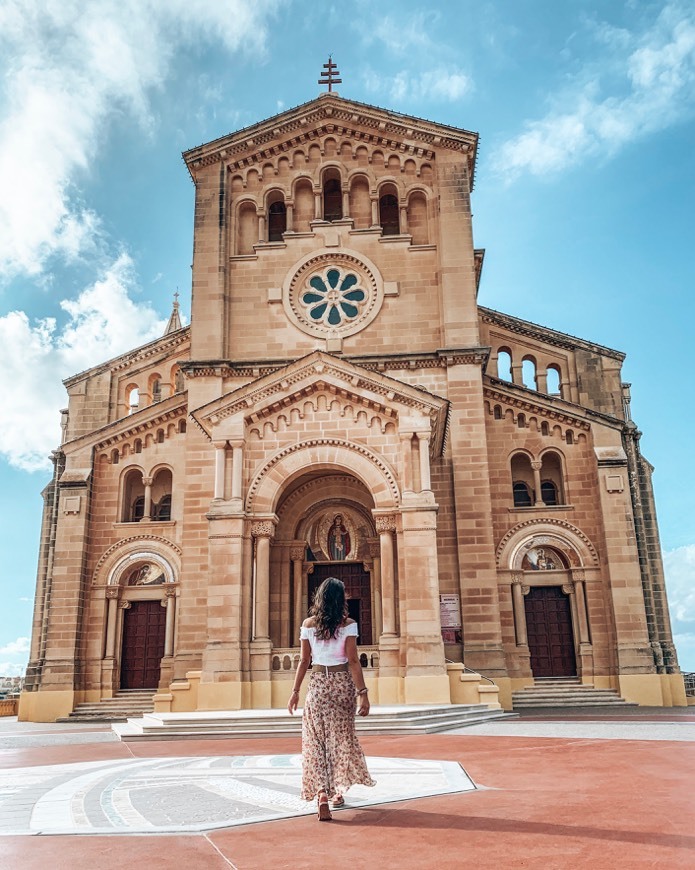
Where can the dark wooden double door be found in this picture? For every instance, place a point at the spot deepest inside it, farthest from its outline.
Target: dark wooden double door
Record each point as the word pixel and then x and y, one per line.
pixel 144 627
pixel 357 589
pixel 549 630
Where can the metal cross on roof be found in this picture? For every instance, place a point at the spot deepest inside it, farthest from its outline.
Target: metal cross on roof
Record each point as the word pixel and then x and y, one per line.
pixel 328 76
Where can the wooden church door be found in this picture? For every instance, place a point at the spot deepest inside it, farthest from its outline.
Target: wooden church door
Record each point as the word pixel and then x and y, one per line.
pixel 144 627
pixel 549 630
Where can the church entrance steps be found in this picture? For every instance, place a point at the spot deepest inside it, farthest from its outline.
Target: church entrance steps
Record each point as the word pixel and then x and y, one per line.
pixel 565 692
pixel 414 719
pixel 127 703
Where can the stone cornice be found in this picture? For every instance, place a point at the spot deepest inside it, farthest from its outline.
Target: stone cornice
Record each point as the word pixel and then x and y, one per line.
pixel 544 334
pixel 143 420
pixel 375 363
pixel 550 407
pixel 331 114
pixel 167 344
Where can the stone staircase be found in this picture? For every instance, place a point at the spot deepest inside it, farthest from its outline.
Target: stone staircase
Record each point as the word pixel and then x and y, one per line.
pixel 415 719
pixel 565 692
pixel 127 703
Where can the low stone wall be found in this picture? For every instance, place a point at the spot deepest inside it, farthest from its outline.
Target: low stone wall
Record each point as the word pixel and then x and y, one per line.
pixel 8 707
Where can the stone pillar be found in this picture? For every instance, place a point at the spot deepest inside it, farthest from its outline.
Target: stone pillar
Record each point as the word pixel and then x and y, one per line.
pixel 112 594
pixel 318 204
pixel 220 460
pixel 375 212
pixel 147 509
pixel 537 495
pixel 346 202
pixel 517 373
pixel 262 236
pixel 541 381
pixel 519 610
pixel 378 619
pixel 289 216
pixel 170 620
pixel 406 439
pixel 261 647
pixel 386 526
pixel 237 470
pixel 424 452
pixel 422 648
pixel 297 557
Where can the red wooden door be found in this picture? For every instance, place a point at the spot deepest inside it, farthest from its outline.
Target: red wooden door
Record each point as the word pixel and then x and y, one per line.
pixel 144 626
pixel 357 589
pixel 549 629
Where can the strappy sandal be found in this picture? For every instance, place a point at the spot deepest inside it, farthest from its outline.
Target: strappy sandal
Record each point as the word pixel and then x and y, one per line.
pixel 337 801
pixel 324 810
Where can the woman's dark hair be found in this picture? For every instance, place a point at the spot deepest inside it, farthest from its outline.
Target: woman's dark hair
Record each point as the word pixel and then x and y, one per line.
pixel 328 608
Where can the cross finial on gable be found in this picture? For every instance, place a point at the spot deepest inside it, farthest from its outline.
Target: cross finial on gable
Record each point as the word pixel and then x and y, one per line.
pixel 329 75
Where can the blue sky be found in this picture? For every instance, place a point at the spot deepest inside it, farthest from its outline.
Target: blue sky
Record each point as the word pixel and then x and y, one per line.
pixel 584 193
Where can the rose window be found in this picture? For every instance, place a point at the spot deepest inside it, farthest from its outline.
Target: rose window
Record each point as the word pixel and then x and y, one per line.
pixel 333 297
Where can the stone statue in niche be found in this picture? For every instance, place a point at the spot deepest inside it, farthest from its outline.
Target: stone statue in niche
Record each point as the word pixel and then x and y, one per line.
pixel 338 540
pixel 147 575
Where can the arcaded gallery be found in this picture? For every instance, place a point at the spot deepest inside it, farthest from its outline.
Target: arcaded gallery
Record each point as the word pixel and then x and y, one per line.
pixel 341 405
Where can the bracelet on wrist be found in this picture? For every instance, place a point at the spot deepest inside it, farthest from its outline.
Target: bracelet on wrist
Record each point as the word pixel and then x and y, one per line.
pixel 362 691
pixel 295 691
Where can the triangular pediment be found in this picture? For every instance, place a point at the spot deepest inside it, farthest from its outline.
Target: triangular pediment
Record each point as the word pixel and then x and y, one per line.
pixel 330 113
pixel 319 371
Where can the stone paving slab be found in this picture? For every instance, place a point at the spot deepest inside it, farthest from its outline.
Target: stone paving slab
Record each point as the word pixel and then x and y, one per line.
pixel 175 795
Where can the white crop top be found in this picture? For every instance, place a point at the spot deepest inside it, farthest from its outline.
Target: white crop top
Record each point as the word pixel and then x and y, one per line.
pixel 331 651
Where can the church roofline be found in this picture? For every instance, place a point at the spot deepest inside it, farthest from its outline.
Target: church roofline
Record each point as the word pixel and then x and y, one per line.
pixel 172 339
pixel 544 333
pixel 341 113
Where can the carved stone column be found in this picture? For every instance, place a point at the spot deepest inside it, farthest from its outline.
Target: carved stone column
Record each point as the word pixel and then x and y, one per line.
pixel 289 216
pixel 147 509
pixel 262 237
pixel 375 212
pixel 517 374
pixel 403 209
pixel 406 439
pixel 318 203
pixel 346 202
pixel 112 594
pixel 297 552
pixel 220 459
pixel 519 610
pixel 377 622
pixel 423 439
pixel 170 599
pixel 386 526
pixel 537 496
pixel 237 469
pixel 262 531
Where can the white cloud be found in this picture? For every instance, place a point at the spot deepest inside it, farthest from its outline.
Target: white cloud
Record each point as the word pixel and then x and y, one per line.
pixel 401 35
pixel 441 84
pixel 102 322
pixel 15 647
pixel 69 69
pixel 679 566
pixel 652 77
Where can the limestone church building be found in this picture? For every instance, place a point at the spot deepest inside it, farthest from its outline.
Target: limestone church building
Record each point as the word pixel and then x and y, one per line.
pixel 342 405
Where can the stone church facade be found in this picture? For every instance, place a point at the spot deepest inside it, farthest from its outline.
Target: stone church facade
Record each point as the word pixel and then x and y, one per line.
pixel 341 405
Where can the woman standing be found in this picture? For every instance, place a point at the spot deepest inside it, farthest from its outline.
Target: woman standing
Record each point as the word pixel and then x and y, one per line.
pixel 332 758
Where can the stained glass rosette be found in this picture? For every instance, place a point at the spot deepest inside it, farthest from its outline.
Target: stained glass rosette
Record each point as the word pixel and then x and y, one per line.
pixel 333 297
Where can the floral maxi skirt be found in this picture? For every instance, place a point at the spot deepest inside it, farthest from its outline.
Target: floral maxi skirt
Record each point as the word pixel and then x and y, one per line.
pixel 332 758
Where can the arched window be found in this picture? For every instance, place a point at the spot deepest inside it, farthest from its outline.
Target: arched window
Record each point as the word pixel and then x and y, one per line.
pixel 133 400
pixel 504 364
pixel 569 436
pixel 552 489
pixel 156 390
pixel 522 481
pixel 161 495
pixel 545 429
pixel 277 221
pixel 388 215
pixel 549 493
pixel 528 373
pixel 133 507
pixel 521 421
pixel 247 228
pixel 497 412
pixel 182 426
pixel 522 494
pixel 160 436
pixel 115 456
pixel 553 375
pixel 137 446
pixel 332 200
pixel 137 511
pixel 162 510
